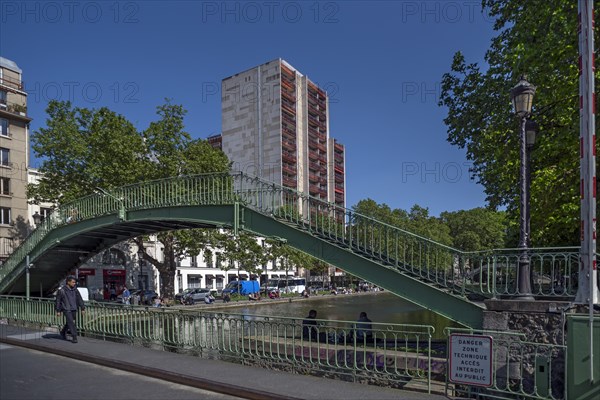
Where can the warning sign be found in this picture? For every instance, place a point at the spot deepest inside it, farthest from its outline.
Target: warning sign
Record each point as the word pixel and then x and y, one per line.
pixel 471 359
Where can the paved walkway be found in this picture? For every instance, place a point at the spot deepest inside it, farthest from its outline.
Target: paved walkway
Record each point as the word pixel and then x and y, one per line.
pixel 214 375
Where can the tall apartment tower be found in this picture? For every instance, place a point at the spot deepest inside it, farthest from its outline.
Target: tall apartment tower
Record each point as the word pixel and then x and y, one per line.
pixel 14 154
pixel 275 125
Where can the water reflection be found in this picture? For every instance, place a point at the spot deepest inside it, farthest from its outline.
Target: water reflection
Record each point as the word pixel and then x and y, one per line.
pixel 380 307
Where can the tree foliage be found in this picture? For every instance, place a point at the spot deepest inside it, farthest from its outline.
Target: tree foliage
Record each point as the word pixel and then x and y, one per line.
pixel 241 250
pixel 467 230
pixel 476 229
pixel 83 149
pixel 538 39
pixel 417 221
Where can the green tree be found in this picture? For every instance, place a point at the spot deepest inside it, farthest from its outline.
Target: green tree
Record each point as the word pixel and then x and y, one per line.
pixel 82 149
pixel 421 223
pixel 170 151
pixel 476 229
pixel 537 38
pixel 417 221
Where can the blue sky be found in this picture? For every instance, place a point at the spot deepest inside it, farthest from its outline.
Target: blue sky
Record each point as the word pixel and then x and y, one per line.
pixel 381 63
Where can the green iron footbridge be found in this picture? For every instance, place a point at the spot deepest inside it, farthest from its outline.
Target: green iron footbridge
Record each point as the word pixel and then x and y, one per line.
pixel 442 279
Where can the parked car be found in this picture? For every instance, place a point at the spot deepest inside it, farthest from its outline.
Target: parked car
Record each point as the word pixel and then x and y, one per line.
pixel 196 295
pixel 180 296
pixel 146 295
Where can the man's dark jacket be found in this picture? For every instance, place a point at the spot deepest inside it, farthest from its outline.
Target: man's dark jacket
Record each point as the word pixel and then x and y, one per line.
pixel 68 299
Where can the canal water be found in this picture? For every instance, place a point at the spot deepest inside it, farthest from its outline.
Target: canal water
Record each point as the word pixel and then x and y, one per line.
pixel 379 306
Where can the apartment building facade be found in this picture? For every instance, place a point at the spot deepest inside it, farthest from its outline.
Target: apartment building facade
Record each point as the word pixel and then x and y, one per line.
pixel 14 155
pixel 275 125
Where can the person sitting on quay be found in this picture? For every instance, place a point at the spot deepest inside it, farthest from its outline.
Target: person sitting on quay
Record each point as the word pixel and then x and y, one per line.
pixel 304 293
pixel 226 298
pixel 274 294
pixel 310 330
pixel 364 328
pixel 254 296
pixel 209 299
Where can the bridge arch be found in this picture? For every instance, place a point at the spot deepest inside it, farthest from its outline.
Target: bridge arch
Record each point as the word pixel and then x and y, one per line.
pixel 407 265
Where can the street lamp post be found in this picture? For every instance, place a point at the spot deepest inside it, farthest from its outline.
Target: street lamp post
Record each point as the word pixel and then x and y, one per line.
pixel 522 98
pixel 531 130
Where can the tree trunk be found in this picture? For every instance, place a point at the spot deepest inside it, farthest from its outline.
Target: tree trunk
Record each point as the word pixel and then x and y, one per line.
pixel 168 269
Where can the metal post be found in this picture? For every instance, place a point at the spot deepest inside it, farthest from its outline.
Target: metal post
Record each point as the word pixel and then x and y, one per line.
pixel 27 288
pixel 524 278
pixel 587 291
pixel 528 191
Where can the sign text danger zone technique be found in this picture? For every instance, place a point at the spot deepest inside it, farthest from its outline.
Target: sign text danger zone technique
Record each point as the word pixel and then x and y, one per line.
pixel 471 359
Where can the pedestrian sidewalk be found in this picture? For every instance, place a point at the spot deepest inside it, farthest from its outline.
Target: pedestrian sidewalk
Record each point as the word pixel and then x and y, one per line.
pixel 214 375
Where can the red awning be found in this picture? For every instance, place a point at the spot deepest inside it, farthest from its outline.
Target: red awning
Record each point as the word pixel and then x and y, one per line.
pixel 114 272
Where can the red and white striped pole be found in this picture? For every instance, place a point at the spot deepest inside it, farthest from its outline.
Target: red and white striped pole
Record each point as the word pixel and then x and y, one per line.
pixel 587 291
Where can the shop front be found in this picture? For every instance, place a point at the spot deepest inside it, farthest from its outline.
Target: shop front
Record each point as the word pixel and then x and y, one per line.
pixel 113 283
pixel 82 276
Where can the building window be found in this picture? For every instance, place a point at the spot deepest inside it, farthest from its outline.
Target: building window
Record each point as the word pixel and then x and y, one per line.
pixel 219 286
pixel 4 127
pixel 2 99
pixel 4 157
pixel 5 216
pixel 45 212
pixel 4 131
pixel 5 186
pixel 194 281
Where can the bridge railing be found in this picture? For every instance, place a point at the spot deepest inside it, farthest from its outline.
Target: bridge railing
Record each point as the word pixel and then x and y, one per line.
pixel 495 272
pixel 204 189
pixel 490 273
pixel 392 246
pixel 392 353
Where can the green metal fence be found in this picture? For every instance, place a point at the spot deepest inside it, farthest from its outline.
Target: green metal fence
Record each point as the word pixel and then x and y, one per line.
pixel 520 369
pixel 495 272
pixel 392 354
pixel 491 273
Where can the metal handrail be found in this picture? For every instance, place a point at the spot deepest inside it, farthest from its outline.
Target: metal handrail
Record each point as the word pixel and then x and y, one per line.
pixel 395 352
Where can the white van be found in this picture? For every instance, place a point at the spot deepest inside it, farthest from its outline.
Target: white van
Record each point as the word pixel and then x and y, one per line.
pixel 85 293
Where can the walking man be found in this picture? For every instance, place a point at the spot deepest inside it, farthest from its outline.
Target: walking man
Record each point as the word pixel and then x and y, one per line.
pixel 68 300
